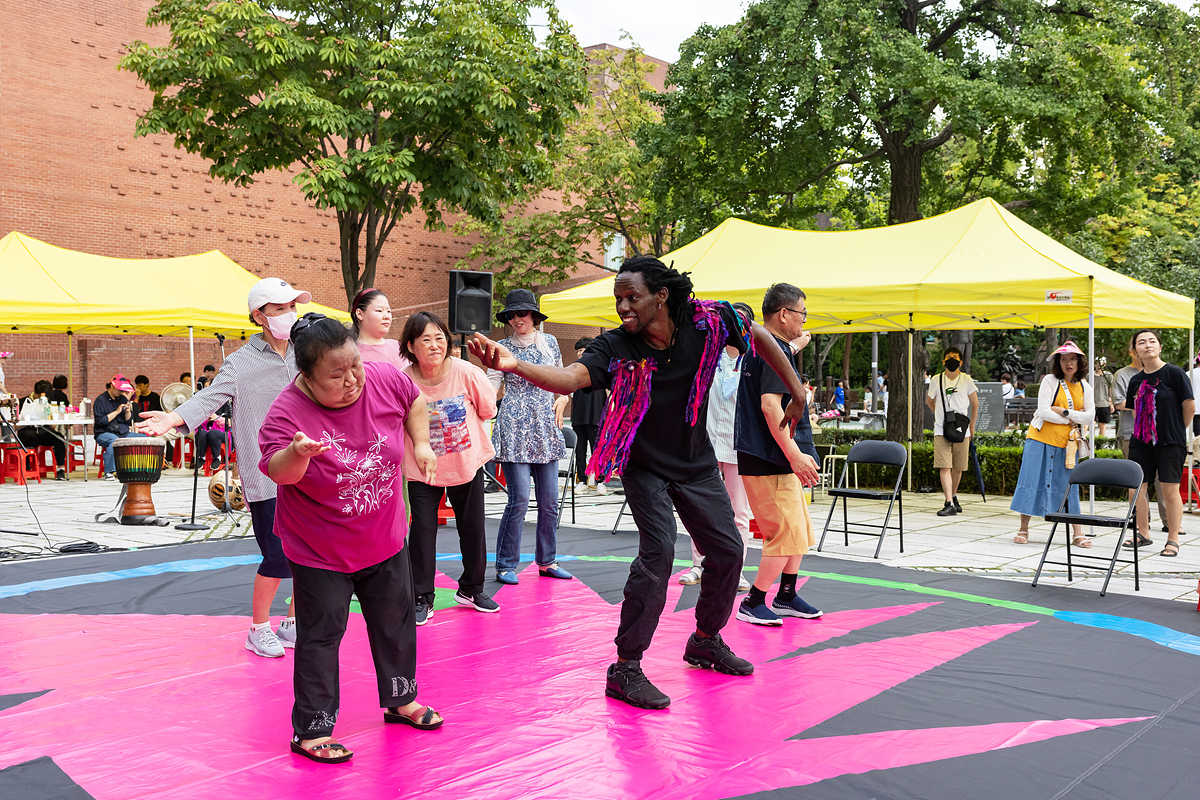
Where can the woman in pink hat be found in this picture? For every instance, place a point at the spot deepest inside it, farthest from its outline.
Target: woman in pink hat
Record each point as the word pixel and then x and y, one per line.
pixel 1065 401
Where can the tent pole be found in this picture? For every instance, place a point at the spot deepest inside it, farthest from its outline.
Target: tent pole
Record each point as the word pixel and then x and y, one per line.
pixel 875 371
pixel 192 356
pixel 1191 459
pixel 70 371
pixel 1092 366
pixel 910 400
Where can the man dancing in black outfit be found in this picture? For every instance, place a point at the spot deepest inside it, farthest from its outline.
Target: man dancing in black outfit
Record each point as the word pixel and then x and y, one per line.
pixel 658 366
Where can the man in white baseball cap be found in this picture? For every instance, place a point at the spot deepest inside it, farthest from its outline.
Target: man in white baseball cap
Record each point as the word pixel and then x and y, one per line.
pixel 250 379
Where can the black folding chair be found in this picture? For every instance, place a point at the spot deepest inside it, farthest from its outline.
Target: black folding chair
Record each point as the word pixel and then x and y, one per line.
pixel 891 454
pixel 570 439
pixel 1117 473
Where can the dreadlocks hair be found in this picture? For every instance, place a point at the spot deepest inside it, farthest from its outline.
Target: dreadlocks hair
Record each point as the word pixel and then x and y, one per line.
pixel 658 275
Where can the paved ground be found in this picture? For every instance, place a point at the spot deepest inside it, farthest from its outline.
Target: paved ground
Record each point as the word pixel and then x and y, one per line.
pixel 979 541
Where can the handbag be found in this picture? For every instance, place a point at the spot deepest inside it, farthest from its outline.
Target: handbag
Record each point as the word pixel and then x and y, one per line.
pixel 954 424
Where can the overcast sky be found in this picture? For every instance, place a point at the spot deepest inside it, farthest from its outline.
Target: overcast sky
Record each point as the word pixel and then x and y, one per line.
pixel 658 26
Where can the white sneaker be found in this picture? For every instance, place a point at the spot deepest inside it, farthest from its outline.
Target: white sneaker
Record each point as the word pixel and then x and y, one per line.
pixel 691 577
pixel 263 642
pixel 286 632
pixel 743 584
pixel 601 489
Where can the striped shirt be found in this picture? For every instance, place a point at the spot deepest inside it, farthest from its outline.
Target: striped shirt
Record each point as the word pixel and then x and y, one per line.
pixel 251 378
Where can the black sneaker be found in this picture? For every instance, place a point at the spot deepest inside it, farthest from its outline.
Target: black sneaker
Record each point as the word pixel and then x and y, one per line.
pixel 423 611
pixel 957 507
pixel 714 654
pixel 627 683
pixel 947 510
pixel 480 601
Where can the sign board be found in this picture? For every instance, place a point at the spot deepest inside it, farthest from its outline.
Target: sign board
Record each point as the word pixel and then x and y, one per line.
pixel 1058 297
pixel 991 407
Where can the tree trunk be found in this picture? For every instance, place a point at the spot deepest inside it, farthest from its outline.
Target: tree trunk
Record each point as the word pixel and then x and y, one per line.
pixel 964 341
pixel 1041 363
pixel 904 161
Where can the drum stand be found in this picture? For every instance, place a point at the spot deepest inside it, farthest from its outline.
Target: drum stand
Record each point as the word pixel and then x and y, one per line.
pixel 115 516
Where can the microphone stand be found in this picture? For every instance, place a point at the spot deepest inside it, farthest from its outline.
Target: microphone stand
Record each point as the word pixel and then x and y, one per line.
pixel 192 525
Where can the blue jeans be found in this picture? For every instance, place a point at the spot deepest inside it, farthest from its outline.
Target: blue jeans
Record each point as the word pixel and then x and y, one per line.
pixel 508 540
pixel 105 440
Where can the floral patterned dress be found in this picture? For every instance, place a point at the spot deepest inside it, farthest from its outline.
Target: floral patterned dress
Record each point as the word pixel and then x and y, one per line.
pixel 524 432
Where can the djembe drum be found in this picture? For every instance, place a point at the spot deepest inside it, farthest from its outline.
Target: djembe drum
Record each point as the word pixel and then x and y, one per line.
pixel 139 461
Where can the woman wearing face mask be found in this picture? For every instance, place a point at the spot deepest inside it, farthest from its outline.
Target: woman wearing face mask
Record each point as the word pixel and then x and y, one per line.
pixel 527 440
pixel 1162 402
pixel 1065 401
pixel 334 442
pixel 459 399
pixel 371 314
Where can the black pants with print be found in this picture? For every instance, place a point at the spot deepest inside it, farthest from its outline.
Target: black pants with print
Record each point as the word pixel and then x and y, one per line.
pixel 467 501
pixel 703 505
pixel 322 603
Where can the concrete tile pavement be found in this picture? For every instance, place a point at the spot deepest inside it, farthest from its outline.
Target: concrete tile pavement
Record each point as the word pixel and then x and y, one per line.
pixel 977 542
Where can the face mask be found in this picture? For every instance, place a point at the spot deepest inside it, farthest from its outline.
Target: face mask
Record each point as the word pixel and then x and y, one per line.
pixel 281 326
pixel 952 364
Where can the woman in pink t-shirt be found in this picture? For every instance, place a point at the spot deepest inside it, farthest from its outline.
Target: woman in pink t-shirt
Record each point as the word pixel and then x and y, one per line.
pixel 459 398
pixel 371 314
pixel 334 441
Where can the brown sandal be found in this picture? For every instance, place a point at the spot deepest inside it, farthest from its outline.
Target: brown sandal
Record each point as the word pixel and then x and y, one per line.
pixel 422 719
pixel 311 751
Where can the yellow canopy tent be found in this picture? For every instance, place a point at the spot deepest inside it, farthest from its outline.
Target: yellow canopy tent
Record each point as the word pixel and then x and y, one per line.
pixel 49 289
pixel 977 267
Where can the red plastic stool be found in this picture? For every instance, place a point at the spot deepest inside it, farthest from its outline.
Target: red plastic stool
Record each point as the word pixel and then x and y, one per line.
pixel 47 466
pixel 21 466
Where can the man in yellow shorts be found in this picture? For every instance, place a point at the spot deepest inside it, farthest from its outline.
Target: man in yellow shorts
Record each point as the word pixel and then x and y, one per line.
pixel 773 470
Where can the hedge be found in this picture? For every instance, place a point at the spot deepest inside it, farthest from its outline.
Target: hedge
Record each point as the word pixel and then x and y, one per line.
pixel 1000 466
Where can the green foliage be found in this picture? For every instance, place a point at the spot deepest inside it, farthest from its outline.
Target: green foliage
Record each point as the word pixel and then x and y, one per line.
pixel 384 108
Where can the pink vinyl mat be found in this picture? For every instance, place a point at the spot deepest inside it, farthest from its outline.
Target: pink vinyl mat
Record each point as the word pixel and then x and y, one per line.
pixel 173 707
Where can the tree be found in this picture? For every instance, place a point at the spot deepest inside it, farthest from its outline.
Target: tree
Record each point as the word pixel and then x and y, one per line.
pixel 384 108
pixel 799 96
pixel 599 190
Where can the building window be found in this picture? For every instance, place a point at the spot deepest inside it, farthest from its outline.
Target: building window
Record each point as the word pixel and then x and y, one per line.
pixel 614 252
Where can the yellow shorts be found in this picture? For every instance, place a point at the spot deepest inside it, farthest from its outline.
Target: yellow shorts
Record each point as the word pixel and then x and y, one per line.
pixel 781 510
pixel 950 455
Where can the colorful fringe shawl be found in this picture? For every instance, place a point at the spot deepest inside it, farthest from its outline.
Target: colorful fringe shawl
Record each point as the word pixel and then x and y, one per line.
pixel 632 383
pixel 1145 413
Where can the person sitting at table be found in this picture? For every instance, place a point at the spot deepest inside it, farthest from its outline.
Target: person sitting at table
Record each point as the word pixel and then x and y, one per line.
pixel 58 391
pixel 209 372
pixel 146 400
pixel 185 378
pixel 114 419
pixel 40 436
pixel 210 436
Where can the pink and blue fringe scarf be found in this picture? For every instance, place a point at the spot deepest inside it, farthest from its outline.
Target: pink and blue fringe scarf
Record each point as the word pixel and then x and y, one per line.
pixel 632 383
pixel 1145 414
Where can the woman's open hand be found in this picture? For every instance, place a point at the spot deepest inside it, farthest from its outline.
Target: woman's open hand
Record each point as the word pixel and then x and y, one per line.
pixel 305 447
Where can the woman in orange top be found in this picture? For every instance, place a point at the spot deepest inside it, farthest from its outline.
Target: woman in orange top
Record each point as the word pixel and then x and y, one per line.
pixel 1064 400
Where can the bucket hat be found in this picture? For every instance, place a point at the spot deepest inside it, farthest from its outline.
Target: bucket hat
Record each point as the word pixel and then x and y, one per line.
pixel 520 300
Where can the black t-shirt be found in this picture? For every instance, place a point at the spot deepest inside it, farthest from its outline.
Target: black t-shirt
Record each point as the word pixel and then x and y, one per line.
pixel 151 402
pixel 758 452
pixel 1173 387
pixel 58 396
pixel 665 444
pixel 587 406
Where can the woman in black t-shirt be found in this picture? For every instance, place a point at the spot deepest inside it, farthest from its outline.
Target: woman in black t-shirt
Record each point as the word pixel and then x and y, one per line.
pixel 1161 398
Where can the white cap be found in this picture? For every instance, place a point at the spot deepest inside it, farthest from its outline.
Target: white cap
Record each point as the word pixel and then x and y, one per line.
pixel 275 290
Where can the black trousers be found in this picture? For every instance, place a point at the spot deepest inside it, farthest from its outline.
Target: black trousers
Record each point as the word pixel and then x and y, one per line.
pixel 586 439
pixel 40 437
pixel 209 440
pixel 467 501
pixel 322 604
pixel 703 505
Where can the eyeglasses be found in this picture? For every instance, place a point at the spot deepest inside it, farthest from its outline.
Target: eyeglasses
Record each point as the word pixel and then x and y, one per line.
pixel 802 312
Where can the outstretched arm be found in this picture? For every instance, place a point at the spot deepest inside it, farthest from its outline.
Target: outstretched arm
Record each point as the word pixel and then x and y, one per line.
pixel 560 380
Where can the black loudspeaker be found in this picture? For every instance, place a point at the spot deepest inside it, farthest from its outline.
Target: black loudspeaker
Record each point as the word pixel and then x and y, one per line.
pixel 470 301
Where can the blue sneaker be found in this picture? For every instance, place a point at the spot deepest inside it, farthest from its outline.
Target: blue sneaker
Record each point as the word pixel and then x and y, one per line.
pixel 554 571
pixel 796 608
pixel 507 576
pixel 757 615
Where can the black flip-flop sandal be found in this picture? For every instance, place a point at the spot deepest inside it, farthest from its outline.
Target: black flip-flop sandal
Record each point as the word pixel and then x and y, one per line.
pixel 425 722
pixel 1166 553
pixel 310 752
pixel 1143 541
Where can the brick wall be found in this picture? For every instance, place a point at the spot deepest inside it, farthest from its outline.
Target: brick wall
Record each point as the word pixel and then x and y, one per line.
pixel 73 174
